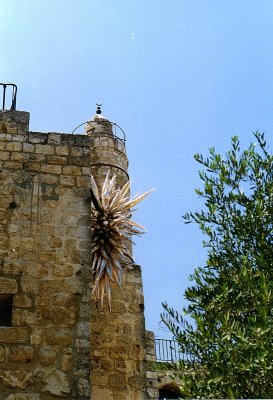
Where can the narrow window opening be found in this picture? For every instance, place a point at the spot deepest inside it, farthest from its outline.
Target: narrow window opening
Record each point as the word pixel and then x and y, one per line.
pixel 5 309
pixel 12 205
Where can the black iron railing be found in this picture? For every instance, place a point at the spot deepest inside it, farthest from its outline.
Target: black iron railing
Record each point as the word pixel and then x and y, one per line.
pixel 13 95
pixel 170 351
pixel 118 132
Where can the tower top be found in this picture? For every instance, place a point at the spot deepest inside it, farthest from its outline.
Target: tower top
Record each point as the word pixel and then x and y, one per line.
pixel 98 124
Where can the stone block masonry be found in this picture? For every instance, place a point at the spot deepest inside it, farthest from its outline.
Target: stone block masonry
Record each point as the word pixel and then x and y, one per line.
pixel 58 344
pixel 44 221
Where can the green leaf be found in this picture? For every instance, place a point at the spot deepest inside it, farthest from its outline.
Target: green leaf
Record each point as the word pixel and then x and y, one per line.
pixel 227 324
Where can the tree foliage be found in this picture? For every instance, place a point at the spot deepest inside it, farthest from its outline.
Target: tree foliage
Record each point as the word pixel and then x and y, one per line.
pixel 230 303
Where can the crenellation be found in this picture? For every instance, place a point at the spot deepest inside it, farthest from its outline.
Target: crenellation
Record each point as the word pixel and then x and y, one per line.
pixel 21 137
pixel 54 138
pixel 37 137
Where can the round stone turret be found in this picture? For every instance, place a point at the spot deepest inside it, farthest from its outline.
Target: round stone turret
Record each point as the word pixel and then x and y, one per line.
pixel 125 325
pixel 98 124
pixel 107 150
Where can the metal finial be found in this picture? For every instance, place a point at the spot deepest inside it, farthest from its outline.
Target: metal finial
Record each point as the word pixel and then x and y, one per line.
pixel 98 111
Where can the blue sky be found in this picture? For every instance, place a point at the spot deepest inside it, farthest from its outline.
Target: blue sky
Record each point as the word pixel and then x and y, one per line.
pixel 178 76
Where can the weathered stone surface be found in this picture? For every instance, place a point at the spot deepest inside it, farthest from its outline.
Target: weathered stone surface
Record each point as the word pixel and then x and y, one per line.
pixel 100 379
pixel 36 336
pixel 67 362
pixel 82 345
pixel 153 393
pixel 23 396
pixel 54 138
pixel 29 285
pixel 76 151
pixel 44 149
pixel 70 285
pixel 63 150
pixel 55 242
pixel 22 300
pixel 57 384
pixel 85 311
pixel 4 155
pixel 3 353
pixel 37 270
pixel 120 352
pixel 63 270
pixel 16 317
pixel 16 379
pixel 13 335
pixel 125 394
pixel 54 169
pixel 56 299
pixel 120 365
pixel 14 146
pixel 58 336
pixel 28 148
pixel 21 354
pixel 83 329
pixel 8 285
pixel 60 315
pixel 84 387
pixel 107 364
pixel 102 394
pixel 68 180
pixel 72 170
pixel 117 380
pixel 30 318
pixel 47 355
pixel 137 381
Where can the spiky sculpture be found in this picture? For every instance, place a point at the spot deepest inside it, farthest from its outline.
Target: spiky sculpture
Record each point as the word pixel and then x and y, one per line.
pixel 112 229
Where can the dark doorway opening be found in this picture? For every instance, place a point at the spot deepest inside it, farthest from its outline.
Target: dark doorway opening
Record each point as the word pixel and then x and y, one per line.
pixel 168 394
pixel 5 309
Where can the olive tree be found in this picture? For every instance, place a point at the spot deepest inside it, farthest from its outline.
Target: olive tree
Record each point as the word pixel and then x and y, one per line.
pixel 227 323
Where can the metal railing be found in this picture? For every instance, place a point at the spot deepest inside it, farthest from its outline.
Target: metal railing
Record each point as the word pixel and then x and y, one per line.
pixel 118 132
pixel 170 351
pixel 13 95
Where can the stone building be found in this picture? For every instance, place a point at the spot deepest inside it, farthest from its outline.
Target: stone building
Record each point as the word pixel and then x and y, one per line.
pixel 54 342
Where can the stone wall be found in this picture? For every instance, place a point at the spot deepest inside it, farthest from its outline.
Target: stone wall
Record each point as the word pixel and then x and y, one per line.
pixel 45 262
pixel 45 267
pixel 152 373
